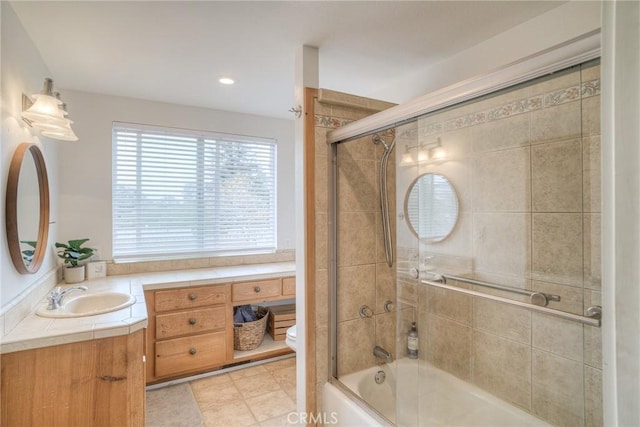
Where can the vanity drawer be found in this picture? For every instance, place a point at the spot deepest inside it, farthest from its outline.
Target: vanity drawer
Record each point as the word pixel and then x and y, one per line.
pixel 190 297
pixel 289 286
pixel 189 322
pixel 190 353
pixel 256 291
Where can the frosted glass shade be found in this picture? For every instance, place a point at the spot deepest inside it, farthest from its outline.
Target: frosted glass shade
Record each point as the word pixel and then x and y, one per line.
pixel 45 108
pixel 64 133
pixel 47 114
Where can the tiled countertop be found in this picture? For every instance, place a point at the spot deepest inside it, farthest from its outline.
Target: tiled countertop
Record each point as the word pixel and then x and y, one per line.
pixel 35 331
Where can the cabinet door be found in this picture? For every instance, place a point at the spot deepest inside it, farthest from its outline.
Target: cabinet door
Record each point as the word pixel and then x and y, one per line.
pixel 88 383
pixel 190 353
pixel 190 322
pixel 176 299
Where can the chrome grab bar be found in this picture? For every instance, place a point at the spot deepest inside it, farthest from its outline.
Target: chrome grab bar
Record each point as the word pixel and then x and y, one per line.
pixel 587 320
pixel 537 298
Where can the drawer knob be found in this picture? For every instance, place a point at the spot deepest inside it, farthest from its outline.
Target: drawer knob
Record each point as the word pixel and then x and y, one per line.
pixel 192 321
pixel 193 297
pixel 192 351
pixel 257 289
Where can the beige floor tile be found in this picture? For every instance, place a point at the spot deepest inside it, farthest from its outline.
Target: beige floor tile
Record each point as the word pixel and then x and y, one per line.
pixel 172 406
pixel 258 396
pixel 247 372
pixel 270 405
pixel 236 414
pixel 285 376
pixel 291 391
pixel 256 385
pixel 279 364
pixel 213 381
pixel 281 421
pixel 212 394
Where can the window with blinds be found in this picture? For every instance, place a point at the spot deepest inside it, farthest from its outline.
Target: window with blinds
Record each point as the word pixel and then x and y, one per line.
pixel 178 193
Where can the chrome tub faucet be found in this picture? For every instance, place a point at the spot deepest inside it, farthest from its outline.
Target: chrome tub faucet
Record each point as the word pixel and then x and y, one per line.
pixel 382 354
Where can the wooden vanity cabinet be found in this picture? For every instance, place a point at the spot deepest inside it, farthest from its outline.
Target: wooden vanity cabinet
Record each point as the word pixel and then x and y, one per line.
pixel 89 383
pixel 191 328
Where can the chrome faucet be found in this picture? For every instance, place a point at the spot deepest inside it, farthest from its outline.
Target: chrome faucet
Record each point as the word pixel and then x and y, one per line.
pixel 382 354
pixel 55 299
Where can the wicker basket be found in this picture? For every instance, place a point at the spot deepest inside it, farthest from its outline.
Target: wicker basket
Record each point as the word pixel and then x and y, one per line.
pixel 249 335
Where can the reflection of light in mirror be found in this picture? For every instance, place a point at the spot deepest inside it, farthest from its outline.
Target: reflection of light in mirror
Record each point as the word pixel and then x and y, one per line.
pixel 438 154
pixel 407 159
pixel 431 150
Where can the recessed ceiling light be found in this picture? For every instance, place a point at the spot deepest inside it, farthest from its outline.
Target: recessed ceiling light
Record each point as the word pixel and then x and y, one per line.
pixel 226 81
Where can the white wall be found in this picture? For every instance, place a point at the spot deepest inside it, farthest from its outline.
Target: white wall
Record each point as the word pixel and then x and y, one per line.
pixel 621 210
pixel 22 71
pixel 85 165
pixel 557 26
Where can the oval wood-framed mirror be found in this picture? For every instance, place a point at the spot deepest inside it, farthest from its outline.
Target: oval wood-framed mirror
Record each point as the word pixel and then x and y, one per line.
pixel 27 238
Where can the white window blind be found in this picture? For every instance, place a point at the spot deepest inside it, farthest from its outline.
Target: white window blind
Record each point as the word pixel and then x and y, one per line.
pixel 178 193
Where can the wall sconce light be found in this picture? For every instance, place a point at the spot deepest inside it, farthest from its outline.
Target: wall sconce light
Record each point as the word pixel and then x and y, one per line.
pixel 427 150
pixel 47 114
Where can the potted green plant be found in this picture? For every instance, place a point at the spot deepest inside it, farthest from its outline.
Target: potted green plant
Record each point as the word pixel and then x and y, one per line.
pixel 27 254
pixel 73 254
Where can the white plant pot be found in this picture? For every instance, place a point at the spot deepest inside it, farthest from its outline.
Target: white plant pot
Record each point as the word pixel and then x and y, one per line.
pixel 74 274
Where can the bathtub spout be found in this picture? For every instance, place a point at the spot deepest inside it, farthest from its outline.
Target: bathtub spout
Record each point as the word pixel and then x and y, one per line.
pixel 382 354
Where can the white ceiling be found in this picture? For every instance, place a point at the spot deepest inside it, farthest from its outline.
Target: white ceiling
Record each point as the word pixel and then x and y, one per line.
pixel 176 51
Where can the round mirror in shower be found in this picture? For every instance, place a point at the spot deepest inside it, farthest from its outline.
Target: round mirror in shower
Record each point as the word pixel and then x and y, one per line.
pixel 431 207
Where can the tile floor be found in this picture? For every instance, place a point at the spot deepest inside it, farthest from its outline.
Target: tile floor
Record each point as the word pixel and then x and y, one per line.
pixel 260 395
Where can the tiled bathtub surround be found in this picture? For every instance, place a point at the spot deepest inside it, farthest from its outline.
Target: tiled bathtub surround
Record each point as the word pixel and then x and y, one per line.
pixel 526 166
pixel 366 278
pixel 363 277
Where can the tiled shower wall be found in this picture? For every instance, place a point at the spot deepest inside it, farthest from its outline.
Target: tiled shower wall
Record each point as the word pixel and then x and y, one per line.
pixel 363 276
pixel 526 168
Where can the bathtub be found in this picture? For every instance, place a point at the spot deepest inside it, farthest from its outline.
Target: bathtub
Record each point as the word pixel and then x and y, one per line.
pixel 442 399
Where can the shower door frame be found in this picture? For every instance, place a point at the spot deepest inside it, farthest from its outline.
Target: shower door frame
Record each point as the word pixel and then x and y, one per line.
pixel 573 52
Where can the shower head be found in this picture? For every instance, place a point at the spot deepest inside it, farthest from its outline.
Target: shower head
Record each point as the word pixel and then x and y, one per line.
pixel 377 139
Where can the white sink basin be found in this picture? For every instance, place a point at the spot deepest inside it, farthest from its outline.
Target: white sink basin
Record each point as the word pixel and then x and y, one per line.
pixel 90 305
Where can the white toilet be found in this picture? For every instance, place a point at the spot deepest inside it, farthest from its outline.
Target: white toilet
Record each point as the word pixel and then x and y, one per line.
pixel 290 340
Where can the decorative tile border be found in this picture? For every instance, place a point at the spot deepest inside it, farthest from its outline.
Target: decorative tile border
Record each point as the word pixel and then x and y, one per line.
pixel 431 129
pixel 465 121
pixel 330 122
pixel 516 107
pixel 550 99
pixel 590 88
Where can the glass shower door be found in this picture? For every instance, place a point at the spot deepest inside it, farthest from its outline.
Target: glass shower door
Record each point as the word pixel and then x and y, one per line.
pixel 501 197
